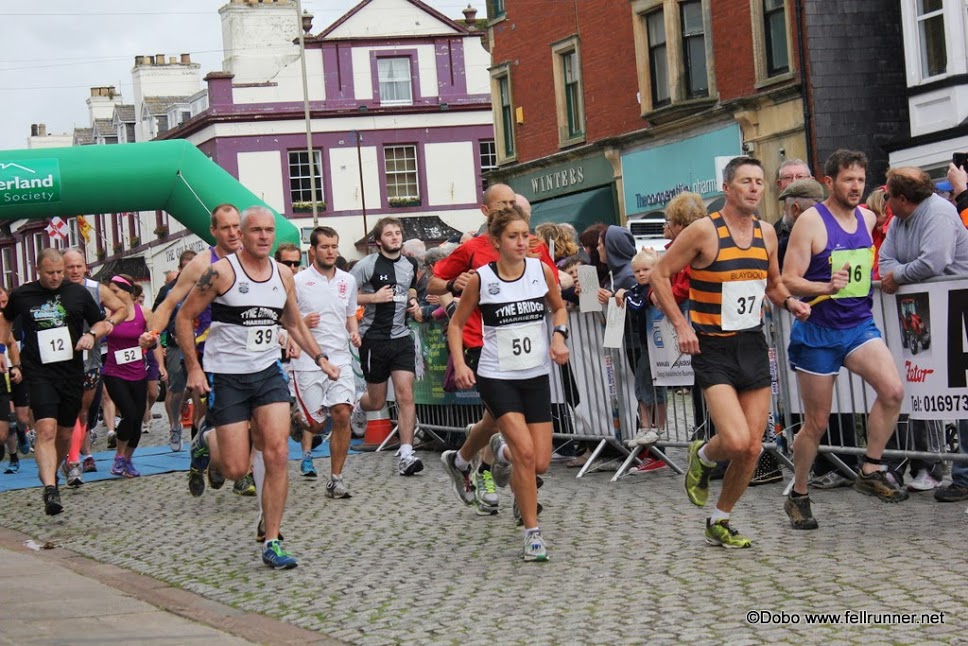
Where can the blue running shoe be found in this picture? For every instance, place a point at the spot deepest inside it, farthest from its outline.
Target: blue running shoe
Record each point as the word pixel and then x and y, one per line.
pixel 14 466
pixel 306 468
pixel 23 443
pixel 277 558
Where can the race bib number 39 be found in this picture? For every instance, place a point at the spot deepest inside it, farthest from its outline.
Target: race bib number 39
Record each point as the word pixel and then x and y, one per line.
pixel 260 339
pixel 742 302
pixel 55 345
pixel 860 264
pixel 522 347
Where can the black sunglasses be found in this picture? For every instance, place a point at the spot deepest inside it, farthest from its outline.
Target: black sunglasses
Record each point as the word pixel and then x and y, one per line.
pixel 291 263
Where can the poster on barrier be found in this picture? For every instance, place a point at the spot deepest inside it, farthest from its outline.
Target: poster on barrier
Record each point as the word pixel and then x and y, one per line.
pixel 670 366
pixel 431 342
pixel 929 322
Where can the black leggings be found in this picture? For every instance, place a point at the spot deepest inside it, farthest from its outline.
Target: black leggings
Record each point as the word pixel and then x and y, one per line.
pixel 131 398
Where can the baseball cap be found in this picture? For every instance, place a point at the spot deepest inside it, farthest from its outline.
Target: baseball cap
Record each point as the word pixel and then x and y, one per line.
pixel 803 188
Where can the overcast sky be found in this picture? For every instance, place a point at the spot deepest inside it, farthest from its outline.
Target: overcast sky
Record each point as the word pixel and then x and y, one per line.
pixel 53 52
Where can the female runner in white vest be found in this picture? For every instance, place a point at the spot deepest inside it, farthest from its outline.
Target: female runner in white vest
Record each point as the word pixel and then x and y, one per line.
pixel 514 295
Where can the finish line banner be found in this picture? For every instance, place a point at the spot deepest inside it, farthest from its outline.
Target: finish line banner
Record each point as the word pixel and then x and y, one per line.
pixel 926 330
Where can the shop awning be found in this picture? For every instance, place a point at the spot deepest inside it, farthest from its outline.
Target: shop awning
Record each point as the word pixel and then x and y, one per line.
pixel 133 266
pixel 579 209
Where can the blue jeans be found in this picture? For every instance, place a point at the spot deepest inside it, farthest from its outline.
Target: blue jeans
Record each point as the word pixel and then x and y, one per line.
pixel 959 470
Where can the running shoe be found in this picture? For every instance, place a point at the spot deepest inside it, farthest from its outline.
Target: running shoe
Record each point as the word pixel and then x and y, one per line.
pixel 358 421
pixel 518 520
pixel 52 501
pixel 87 464
pixel 924 482
pixel 145 428
pixel 877 484
pixel 117 467
pixel 112 440
pixel 484 490
pixel 460 480
pixel 199 450
pixel 336 488
pixel 92 432
pixel 697 476
pixel 129 470
pixel 534 547
pixel 244 486
pixel 954 492
pixel 175 439
pixel 23 442
pixel 722 535
pixel 409 464
pixel 830 480
pixel 31 439
pixel 14 465
pixel 799 512
pixel 260 531
pixel 500 470
pixel 277 558
pixel 74 478
pixel 215 478
pixel 644 437
pixel 306 467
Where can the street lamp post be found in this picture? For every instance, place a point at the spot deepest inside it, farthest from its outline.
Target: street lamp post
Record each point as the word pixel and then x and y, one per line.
pixel 359 162
pixel 309 129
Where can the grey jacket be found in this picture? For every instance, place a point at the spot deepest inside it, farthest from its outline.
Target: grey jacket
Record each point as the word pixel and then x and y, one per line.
pixel 931 242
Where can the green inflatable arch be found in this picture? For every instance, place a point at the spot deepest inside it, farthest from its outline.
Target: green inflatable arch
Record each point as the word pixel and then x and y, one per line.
pixel 170 175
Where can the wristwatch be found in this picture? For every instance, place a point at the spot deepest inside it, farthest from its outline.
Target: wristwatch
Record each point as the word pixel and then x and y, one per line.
pixel 562 330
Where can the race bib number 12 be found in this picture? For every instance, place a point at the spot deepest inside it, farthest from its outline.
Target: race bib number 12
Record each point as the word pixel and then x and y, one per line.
pixel 55 345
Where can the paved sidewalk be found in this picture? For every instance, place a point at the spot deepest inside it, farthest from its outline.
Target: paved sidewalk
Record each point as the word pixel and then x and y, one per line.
pixel 403 561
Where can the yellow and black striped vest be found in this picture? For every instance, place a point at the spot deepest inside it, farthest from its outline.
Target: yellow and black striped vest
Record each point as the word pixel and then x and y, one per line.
pixel 731 263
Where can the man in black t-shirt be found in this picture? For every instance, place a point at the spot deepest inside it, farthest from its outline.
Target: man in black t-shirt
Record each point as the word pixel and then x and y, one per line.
pixel 53 312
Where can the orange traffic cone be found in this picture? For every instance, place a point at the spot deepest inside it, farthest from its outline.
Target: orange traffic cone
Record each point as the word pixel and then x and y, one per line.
pixel 378 428
pixel 187 413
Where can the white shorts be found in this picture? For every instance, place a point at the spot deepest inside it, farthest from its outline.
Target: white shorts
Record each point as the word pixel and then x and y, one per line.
pixel 316 393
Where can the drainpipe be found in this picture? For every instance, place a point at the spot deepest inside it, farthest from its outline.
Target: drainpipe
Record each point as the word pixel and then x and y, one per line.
pixel 804 80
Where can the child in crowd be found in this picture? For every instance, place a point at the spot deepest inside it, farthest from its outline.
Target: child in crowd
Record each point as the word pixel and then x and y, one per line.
pixel 651 398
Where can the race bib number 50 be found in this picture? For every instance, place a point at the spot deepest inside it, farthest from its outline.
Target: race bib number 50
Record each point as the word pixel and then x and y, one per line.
pixel 742 302
pixel 522 347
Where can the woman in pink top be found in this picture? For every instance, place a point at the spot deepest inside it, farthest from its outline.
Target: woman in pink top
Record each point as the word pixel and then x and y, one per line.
pixel 126 375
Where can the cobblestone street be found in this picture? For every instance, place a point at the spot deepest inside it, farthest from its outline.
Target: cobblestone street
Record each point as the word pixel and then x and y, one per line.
pixel 403 562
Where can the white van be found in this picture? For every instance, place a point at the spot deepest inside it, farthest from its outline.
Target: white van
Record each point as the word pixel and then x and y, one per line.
pixel 647 229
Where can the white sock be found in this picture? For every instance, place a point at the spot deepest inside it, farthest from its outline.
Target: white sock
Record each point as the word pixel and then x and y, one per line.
pixel 718 515
pixel 336 476
pixel 705 460
pixel 460 462
pixel 266 544
pixel 531 530
pixel 405 450
pixel 259 475
pixel 501 457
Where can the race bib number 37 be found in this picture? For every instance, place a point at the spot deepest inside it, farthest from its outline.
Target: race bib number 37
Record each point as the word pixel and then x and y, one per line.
pixel 742 302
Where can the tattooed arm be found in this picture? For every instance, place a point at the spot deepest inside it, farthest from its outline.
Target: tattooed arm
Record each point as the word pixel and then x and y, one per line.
pixel 213 281
pixel 187 279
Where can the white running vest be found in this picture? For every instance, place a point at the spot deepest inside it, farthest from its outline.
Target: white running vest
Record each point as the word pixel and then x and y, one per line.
pixel 513 315
pixel 243 338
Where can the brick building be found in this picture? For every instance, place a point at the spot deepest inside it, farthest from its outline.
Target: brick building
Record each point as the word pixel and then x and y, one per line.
pixel 605 110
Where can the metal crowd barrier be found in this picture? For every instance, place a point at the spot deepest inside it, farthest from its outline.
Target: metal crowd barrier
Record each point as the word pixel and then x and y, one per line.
pixel 593 401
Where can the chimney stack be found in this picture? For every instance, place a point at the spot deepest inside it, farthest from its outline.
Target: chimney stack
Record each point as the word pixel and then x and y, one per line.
pixel 159 59
pixel 470 17
pixel 186 59
pixel 33 130
pixel 41 129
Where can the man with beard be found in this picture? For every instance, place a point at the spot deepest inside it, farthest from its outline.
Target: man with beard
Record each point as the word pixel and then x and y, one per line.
pixel 388 288
pixel 830 262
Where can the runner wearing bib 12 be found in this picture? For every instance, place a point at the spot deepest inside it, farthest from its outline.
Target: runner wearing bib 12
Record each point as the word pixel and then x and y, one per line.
pixel 514 296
